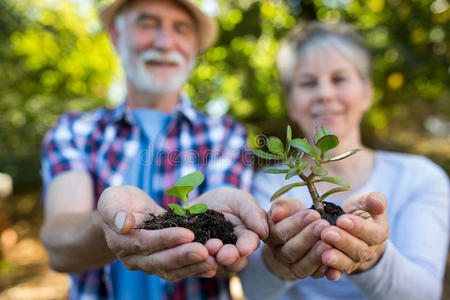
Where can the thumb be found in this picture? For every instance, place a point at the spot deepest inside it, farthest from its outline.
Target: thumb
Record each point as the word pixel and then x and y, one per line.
pixel 376 203
pixel 253 216
pixel 124 222
pixel 240 204
pixel 285 207
pixel 121 208
pixel 373 203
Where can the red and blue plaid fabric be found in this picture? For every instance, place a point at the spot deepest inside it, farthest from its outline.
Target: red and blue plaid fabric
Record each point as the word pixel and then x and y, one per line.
pixel 103 141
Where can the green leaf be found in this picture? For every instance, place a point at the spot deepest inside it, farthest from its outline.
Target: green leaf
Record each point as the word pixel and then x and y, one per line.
pixel 335 180
pixel 320 133
pixel 325 140
pixel 288 139
pixel 192 179
pixel 179 191
pixel 276 171
pixel 298 158
pixel 266 155
pixel 332 191
pixel 179 210
pixel 198 208
pixel 292 173
pixel 303 145
pixel 318 171
pixel 324 133
pixel 289 134
pixel 343 155
pixel 285 189
pixel 302 166
pixel 275 145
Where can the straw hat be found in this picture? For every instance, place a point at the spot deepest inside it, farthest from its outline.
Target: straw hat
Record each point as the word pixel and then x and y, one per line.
pixel 207 26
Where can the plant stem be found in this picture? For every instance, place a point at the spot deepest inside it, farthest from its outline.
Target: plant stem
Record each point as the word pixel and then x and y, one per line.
pixel 318 205
pixel 187 202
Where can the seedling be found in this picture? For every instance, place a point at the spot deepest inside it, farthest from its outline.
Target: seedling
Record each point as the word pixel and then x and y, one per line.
pixel 296 165
pixel 181 190
pixel 205 223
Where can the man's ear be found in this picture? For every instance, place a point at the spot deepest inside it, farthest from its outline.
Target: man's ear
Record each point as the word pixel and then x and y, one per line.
pixel 114 35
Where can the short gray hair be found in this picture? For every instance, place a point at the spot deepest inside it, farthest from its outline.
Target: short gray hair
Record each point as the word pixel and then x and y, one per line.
pixel 119 19
pixel 340 36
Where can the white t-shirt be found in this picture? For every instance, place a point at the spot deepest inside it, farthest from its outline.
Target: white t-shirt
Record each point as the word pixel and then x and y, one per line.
pixel 413 264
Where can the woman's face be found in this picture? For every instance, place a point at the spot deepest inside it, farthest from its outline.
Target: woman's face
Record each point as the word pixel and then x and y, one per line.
pixel 327 90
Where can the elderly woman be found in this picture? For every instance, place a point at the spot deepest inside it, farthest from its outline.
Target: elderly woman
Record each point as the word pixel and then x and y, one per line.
pixel 325 70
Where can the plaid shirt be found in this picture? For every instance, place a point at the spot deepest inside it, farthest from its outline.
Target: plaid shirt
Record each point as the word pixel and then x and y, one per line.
pixel 102 143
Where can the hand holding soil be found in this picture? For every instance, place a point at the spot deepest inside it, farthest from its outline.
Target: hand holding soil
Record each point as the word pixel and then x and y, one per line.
pixel 248 218
pixel 303 241
pixel 294 248
pixel 168 253
pixel 226 220
pixel 362 234
pixel 171 253
pixel 304 245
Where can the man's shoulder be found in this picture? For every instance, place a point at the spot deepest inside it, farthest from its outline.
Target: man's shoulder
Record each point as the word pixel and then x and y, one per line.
pixel 223 132
pixel 87 117
pixel 76 123
pixel 217 122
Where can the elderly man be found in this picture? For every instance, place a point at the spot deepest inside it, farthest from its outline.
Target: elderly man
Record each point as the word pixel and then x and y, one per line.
pixel 121 160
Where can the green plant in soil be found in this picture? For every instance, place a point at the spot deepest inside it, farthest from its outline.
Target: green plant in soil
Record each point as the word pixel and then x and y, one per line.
pixel 181 190
pixel 203 222
pixel 292 156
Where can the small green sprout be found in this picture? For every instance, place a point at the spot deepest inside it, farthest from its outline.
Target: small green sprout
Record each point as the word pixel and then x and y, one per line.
pixel 181 190
pixel 324 141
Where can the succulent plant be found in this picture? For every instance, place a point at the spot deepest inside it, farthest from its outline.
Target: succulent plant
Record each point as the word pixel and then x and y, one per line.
pixel 292 155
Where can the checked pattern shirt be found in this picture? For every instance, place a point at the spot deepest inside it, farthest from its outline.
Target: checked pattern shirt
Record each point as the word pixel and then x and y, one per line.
pixel 103 142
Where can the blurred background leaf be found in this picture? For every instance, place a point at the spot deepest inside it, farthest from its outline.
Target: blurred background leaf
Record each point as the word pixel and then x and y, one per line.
pixel 55 57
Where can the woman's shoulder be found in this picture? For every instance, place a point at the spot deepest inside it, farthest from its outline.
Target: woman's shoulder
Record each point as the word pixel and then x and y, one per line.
pixel 409 164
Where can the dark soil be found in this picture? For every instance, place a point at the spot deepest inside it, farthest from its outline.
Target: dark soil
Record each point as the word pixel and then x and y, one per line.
pixel 332 212
pixel 208 225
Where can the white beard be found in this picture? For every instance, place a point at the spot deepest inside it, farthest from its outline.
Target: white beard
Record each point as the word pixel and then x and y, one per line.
pixel 146 80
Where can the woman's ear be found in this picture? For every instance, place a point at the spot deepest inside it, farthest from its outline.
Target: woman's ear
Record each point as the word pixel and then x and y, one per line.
pixel 289 107
pixel 368 97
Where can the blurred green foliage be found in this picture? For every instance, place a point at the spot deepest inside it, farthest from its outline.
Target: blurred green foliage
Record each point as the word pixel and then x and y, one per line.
pixel 55 57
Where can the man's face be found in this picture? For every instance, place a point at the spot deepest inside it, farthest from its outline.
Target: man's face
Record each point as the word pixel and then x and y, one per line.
pixel 157 42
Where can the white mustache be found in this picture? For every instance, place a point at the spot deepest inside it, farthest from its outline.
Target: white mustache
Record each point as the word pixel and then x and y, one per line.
pixel 173 57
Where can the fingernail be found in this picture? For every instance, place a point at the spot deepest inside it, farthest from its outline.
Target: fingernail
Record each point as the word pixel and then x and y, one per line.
pixel 194 257
pixel 323 269
pixel 209 274
pixel 333 236
pixel 346 223
pixel 235 260
pixel 320 249
pixel 266 231
pixel 309 216
pixel 212 262
pixel 332 260
pixel 120 220
pixel 318 228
